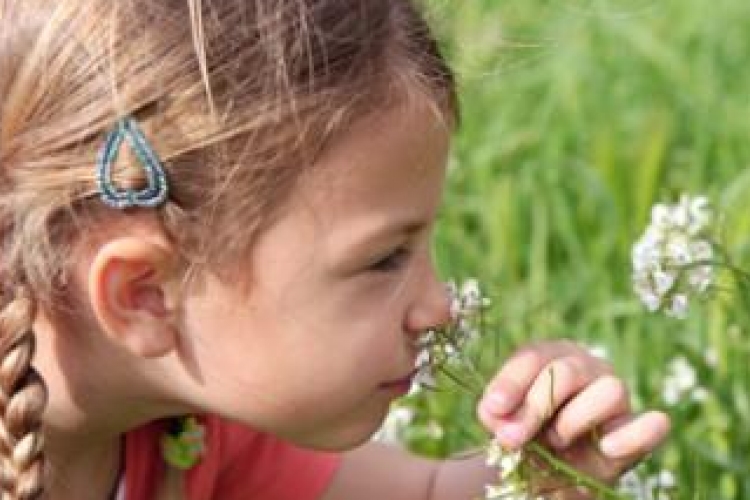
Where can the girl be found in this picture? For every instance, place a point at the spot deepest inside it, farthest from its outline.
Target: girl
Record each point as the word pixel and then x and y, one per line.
pixel 223 209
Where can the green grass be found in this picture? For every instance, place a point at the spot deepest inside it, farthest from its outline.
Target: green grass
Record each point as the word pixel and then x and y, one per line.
pixel 577 117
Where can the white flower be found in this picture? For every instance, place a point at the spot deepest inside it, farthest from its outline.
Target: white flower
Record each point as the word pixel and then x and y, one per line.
pixel 512 481
pixel 666 479
pixel 425 377
pixel 506 492
pixel 506 461
pixel 434 430
pixel 661 215
pixel 424 363
pixel 678 306
pixel 653 487
pixel 472 297
pixel 663 281
pixel 393 426
pixel 681 382
pixel 495 454
pixel 511 485
pixel 443 346
pixel 423 359
pixel 467 300
pixel 498 491
pixel 657 485
pixel 700 214
pixel 710 356
pixel 699 394
pixel 671 261
pixel 598 351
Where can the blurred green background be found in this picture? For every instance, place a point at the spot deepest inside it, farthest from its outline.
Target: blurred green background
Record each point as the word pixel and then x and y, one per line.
pixel 577 116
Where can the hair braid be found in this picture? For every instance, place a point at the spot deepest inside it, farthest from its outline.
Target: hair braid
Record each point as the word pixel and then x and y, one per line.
pixel 23 397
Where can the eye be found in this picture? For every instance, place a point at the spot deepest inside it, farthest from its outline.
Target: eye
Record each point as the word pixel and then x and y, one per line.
pixel 391 262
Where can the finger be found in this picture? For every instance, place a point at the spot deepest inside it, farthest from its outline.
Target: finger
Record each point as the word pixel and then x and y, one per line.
pixel 639 435
pixel 555 385
pixel 633 437
pixel 602 401
pixel 509 387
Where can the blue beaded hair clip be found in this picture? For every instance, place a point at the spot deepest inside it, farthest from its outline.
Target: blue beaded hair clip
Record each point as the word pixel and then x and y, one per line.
pixel 152 195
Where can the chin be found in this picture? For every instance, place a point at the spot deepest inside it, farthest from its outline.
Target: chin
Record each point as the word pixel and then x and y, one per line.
pixel 342 436
pixel 338 443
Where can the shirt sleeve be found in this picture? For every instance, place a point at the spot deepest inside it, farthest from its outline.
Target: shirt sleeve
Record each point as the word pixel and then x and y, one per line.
pixel 245 464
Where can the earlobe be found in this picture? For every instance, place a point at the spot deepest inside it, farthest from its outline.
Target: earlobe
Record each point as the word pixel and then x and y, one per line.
pixel 131 290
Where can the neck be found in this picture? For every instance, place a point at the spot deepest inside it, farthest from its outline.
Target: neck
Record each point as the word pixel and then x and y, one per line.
pixel 85 417
pixel 73 476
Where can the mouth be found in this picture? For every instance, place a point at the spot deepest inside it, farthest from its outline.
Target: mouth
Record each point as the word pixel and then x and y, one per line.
pixel 400 385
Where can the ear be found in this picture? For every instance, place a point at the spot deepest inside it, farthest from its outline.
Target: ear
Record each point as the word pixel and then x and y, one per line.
pixel 131 290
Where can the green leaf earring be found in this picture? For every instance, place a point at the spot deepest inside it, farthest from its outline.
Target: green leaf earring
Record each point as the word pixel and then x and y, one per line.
pixel 183 445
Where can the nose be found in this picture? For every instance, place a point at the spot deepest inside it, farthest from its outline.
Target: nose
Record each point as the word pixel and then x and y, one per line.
pixel 431 305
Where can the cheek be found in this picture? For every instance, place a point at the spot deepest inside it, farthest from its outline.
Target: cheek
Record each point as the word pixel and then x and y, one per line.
pixel 380 301
pixel 315 358
pixel 316 387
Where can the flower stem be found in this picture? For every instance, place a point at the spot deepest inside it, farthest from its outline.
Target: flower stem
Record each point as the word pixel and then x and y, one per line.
pixel 557 465
pixel 603 491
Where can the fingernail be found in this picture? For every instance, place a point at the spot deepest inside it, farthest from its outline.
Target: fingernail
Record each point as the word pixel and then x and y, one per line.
pixel 498 403
pixel 610 447
pixel 510 434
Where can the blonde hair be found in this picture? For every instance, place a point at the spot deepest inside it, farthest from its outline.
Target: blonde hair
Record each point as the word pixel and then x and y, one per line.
pixel 237 97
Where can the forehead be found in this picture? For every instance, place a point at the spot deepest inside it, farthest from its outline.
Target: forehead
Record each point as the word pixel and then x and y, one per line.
pixel 388 165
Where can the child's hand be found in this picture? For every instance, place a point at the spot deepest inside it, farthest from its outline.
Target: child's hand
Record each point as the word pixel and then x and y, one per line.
pixel 558 393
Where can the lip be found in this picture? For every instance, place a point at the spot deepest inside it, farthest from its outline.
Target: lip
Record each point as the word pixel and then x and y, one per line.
pixel 400 385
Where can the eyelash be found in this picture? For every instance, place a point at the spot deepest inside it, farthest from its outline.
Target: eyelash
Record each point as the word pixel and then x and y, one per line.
pixel 391 262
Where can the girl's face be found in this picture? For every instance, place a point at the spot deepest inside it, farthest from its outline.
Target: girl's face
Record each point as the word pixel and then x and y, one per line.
pixel 341 286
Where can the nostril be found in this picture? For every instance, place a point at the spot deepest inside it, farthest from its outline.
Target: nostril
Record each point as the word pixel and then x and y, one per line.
pixel 431 312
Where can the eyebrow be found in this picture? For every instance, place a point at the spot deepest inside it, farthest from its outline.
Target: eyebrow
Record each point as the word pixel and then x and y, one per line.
pixel 404 227
pixel 362 241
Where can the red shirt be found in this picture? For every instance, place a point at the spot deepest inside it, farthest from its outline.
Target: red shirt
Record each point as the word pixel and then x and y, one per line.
pixel 238 464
